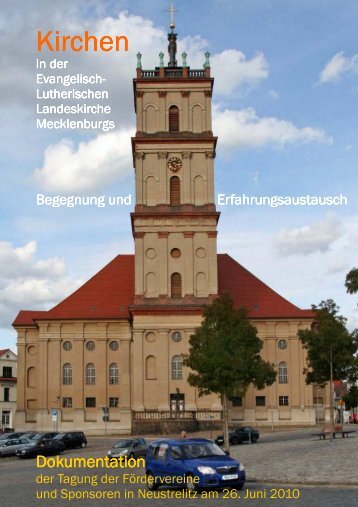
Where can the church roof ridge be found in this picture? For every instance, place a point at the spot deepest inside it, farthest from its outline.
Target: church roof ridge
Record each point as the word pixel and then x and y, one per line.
pixel 110 292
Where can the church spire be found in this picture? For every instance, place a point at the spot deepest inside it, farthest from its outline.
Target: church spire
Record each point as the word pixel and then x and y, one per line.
pixel 172 38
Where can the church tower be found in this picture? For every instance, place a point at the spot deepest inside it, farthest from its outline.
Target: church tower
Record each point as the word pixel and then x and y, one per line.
pixel 175 219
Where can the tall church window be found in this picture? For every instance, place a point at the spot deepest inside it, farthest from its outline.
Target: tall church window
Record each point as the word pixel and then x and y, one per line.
pixel 173 119
pixel 282 373
pixel 113 373
pixel 90 374
pixel 177 368
pixel 176 285
pixel 174 191
pixel 67 374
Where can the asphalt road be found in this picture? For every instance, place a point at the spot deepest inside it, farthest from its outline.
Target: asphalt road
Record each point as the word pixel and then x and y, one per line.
pixel 18 488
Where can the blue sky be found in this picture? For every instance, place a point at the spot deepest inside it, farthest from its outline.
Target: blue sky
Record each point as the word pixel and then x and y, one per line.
pixel 286 79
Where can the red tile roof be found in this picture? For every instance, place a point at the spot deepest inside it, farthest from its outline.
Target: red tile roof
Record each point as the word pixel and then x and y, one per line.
pixel 253 294
pixel 2 351
pixel 109 293
pixel 27 317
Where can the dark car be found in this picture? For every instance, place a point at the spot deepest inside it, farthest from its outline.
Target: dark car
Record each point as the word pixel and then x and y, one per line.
pixel 9 446
pixel 29 435
pixel 72 439
pixel 240 435
pixel 41 443
pixel 40 447
pixel 7 436
pixel 197 463
pixel 130 447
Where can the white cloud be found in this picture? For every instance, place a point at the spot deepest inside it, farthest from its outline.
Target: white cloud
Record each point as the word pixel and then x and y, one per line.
pixel 30 283
pixel 302 280
pixel 245 129
pixel 89 167
pixel 317 237
pixel 231 70
pixel 273 94
pixel 338 65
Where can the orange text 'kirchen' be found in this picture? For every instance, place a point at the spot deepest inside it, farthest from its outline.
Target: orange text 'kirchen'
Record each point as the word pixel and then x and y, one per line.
pixel 54 41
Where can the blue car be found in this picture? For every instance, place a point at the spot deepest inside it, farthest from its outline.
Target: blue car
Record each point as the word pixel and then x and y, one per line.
pixel 196 463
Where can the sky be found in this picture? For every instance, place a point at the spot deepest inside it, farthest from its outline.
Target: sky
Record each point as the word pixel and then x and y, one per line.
pixel 284 109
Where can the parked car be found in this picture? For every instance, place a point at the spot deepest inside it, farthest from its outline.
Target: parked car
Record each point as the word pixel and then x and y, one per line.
pixel 40 447
pixel 130 447
pixel 72 439
pixel 240 435
pixel 30 435
pixel 7 436
pixel 186 459
pixel 9 447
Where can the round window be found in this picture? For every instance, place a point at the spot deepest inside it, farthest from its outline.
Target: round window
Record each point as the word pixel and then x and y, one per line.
pixel 176 337
pixel 90 345
pixel 113 345
pixel 282 344
pixel 175 253
pixel 67 345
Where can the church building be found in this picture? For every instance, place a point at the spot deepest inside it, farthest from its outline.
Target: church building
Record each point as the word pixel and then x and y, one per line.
pixel 116 344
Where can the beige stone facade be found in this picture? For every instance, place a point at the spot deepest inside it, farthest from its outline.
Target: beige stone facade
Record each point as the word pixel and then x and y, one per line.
pixel 119 340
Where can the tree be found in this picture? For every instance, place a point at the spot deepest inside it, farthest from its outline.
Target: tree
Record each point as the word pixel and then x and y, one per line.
pixel 351 400
pixel 224 355
pixel 331 349
pixel 352 281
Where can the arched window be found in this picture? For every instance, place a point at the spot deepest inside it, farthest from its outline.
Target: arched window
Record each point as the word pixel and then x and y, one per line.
pixel 150 368
pixel 90 374
pixel 113 373
pixel 67 374
pixel 177 368
pixel 174 191
pixel 173 119
pixel 282 373
pixel 176 285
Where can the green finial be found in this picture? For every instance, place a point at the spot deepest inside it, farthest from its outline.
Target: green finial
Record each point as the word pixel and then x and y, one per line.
pixel 207 60
pixel 139 60
pixel 184 55
pixel 161 59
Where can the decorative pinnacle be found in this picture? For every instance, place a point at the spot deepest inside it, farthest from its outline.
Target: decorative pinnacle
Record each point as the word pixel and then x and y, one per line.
pixel 139 61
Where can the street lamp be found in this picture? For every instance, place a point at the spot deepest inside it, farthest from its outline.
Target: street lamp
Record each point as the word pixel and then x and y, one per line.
pixel 57 410
pixel 271 407
pixel 317 404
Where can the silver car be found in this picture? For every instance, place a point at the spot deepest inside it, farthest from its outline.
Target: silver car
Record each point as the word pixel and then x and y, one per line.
pixel 8 447
pixel 129 447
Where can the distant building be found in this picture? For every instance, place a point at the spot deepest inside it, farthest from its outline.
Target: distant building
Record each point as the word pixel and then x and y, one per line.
pixel 8 382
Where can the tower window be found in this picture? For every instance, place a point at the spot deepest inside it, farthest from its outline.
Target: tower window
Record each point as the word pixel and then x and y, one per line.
pixel 176 285
pixel 173 119
pixel 174 191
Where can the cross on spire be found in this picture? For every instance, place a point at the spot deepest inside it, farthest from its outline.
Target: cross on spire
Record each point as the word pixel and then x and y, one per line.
pixel 172 11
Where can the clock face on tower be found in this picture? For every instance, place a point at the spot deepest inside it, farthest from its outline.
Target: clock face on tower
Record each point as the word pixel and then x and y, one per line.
pixel 175 164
